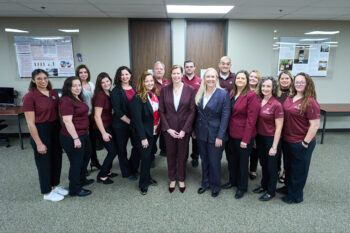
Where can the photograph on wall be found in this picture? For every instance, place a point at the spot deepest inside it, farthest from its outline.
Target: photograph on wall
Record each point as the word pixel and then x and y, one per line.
pixel 322 66
pixel 53 54
pixel 286 64
pixel 325 48
pixel 301 55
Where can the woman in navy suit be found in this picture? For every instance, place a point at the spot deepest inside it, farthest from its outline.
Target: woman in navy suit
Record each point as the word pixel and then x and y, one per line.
pixel 245 106
pixel 145 117
pixel 177 111
pixel 213 112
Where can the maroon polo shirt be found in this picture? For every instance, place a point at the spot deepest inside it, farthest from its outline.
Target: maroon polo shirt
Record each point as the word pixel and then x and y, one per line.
pixel 130 94
pixel 296 124
pixel 195 82
pixel 79 110
pixel 228 83
pixel 44 107
pixel 268 113
pixel 159 85
pixel 103 101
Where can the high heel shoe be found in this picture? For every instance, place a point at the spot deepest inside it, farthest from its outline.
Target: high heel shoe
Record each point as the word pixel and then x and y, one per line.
pixel 182 189
pixel 95 164
pixel 172 189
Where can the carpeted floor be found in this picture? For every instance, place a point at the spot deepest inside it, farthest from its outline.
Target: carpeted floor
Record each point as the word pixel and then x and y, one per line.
pixel 121 208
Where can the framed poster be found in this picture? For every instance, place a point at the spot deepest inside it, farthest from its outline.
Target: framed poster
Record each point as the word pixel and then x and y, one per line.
pixel 304 55
pixel 53 54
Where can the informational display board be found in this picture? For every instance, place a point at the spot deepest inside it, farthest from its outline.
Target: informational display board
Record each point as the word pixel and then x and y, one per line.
pixel 304 55
pixel 53 54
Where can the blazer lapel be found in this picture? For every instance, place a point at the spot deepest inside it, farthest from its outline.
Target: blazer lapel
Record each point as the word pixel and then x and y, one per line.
pixel 212 98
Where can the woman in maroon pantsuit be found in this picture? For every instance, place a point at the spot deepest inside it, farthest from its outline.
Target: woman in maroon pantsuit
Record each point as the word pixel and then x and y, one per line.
pixel 177 111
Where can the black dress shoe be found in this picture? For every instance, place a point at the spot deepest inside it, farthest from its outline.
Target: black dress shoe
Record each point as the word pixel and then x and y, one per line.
pixel 81 193
pixel 259 190
pixel 283 190
pixel 201 190
pixel 228 185
pixel 289 200
pixel 132 177
pixel 143 191
pixel 239 194
pixel 266 197
pixel 215 193
pixel 252 175
pixel 112 175
pixel 194 162
pixel 106 181
pixel 87 182
pixel 153 182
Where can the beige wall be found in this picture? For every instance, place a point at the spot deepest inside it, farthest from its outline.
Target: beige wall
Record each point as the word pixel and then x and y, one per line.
pixel 104 44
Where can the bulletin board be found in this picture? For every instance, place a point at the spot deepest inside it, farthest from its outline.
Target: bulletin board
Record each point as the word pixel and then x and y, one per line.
pixel 51 53
pixel 304 55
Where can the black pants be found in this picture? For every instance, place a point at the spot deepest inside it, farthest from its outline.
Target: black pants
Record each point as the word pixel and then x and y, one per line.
pixel 49 165
pixel 146 160
pixel 268 164
pixel 77 159
pixel 129 166
pixel 161 144
pixel 194 154
pixel 298 168
pixel 93 135
pixel 254 159
pixel 211 165
pixel 111 153
pixel 280 155
pixel 238 160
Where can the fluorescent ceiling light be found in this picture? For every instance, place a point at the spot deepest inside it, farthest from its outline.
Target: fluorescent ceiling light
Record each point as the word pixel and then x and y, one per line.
pixel 49 38
pixel 15 30
pixel 331 42
pixel 314 39
pixel 69 30
pixel 193 9
pixel 321 33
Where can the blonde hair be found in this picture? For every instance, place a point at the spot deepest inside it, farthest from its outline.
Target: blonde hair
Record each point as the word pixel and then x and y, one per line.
pixel 258 77
pixel 203 85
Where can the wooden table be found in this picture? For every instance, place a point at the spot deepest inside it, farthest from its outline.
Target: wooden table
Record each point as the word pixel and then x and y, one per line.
pixel 17 112
pixel 333 110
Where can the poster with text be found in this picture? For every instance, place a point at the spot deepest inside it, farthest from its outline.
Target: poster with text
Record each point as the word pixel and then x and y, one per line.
pixel 53 54
pixel 310 56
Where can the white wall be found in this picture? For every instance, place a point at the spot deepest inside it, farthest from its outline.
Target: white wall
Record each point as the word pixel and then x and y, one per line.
pixel 104 44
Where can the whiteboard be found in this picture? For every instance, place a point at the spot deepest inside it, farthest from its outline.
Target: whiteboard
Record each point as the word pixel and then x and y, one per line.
pixel 51 53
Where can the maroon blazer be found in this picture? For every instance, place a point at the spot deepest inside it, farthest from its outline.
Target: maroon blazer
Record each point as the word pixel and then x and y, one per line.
pixel 183 118
pixel 244 116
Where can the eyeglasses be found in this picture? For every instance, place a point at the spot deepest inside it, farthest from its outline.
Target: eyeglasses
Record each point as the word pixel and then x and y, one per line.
pixel 300 83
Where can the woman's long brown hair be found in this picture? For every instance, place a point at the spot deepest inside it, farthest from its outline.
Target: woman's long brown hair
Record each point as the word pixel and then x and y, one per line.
pixel 308 92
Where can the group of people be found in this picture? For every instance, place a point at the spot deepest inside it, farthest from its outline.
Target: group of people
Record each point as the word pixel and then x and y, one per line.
pixel 251 118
